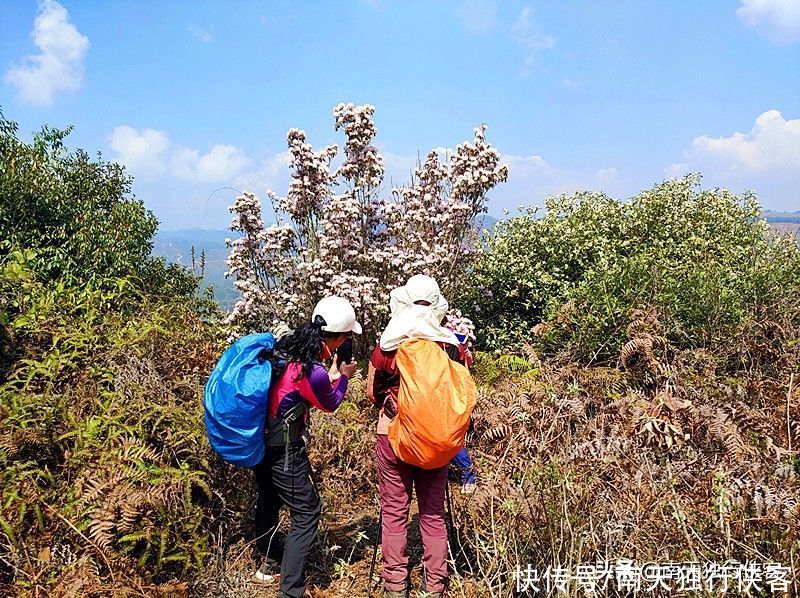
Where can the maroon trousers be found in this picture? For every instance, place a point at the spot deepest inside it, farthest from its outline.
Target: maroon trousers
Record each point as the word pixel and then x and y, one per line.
pixel 396 481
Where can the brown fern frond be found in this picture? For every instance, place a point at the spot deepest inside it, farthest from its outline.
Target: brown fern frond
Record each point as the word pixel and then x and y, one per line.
pixel 643 322
pixel 541 328
pixel 529 353
pixel 636 352
pixel 573 405
pixel 791 509
pixel 498 432
pixel 100 531
pixel 517 412
pixel 98 488
pixel 131 450
pixel 721 429
pixel 529 444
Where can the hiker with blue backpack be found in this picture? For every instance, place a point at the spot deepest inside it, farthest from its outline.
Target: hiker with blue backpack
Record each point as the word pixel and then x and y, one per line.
pixel 257 404
pixel 284 477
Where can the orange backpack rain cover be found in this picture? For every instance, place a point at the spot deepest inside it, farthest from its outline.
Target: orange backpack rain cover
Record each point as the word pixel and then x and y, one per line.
pixel 434 404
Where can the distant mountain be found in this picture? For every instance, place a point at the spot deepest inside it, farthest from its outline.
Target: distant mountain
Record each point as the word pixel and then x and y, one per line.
pixel 771 216
pixel 485 221
pixel 210 239
pixel 176 247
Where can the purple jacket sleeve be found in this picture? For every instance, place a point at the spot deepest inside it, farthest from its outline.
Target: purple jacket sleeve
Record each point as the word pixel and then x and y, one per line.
pixel 320 392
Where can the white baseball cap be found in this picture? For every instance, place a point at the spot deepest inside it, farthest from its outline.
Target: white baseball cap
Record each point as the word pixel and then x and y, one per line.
pixel 338 314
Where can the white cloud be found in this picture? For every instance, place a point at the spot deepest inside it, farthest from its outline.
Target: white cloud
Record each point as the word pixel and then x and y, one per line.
pixel 59 64
pixel 150 153
pixel 180 183
pixel 533 163
pixel 777 20
pixel 526 34
pixel 766 159
pixel 676 170
pixel 532 178
pixel 143 153
pixel 606 175
pixel 204 35
pixel 398 168
pixel 272 173
pixel 220 163
pixel 478 16
pixel 772 144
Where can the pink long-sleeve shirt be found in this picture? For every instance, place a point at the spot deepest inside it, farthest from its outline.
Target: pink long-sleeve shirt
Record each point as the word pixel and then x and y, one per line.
pixel 315 389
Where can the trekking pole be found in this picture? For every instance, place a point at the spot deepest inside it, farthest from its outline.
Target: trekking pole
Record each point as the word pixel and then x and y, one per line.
pixel 452 531
pixel 449 507
pixel 374 553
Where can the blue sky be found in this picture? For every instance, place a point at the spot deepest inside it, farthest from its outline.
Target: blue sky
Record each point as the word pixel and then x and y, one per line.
pixel 603 95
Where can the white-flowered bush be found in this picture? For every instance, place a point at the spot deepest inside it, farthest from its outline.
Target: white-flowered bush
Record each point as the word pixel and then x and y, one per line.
pixel 338 231
pixel 569 281
pixel 461 324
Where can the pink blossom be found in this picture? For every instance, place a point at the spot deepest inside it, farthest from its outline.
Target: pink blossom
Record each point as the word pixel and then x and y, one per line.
pixel 337 233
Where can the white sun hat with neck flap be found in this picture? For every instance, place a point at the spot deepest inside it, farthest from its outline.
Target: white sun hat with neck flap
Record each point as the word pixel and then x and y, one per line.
pixel 414 321
pixel 339 315
pixel 418 288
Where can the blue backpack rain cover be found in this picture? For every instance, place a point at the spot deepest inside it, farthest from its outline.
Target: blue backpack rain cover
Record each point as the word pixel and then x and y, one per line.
pixel 236 397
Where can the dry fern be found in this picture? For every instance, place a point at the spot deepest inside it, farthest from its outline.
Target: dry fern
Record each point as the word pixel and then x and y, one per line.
pixel 498 432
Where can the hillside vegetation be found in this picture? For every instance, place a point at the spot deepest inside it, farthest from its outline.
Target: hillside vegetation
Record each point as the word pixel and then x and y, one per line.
pixel 638 375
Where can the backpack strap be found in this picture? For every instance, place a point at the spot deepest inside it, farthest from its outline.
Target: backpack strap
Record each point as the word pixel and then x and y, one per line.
pixel 284 431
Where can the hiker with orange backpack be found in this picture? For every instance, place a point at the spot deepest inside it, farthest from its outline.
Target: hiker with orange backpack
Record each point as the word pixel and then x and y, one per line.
pixel 300 381
pixel 425 398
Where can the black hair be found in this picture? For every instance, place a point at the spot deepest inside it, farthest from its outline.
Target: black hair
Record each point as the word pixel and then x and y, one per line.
pixel 303 345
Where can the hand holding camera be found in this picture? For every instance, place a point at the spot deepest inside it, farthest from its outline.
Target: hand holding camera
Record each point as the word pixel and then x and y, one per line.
pixel 344 359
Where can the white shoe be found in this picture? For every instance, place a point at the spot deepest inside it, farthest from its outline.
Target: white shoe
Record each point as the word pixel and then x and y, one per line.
pixel 268 572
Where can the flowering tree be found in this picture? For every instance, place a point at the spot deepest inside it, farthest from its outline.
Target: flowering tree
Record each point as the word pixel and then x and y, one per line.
pixel 338 233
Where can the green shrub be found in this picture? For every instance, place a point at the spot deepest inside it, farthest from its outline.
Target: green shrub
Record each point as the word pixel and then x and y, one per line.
pixel 102 451
pixel 78 215
pixel 702 259
pixel 105 470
